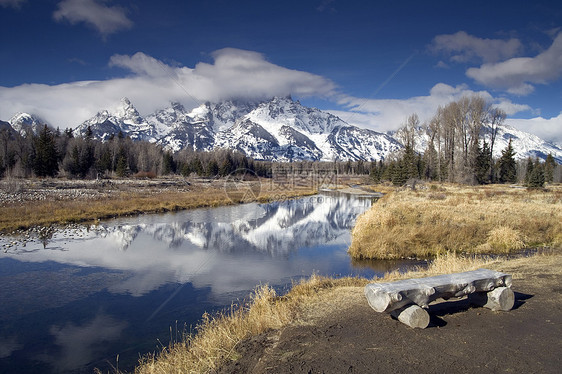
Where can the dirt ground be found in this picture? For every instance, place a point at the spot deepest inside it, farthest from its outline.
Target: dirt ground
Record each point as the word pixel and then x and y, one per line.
pixel 341 334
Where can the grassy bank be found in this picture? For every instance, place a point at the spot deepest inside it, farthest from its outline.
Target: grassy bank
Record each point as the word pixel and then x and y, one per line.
pixel 52 206
pixel 441 218
pixel 217 337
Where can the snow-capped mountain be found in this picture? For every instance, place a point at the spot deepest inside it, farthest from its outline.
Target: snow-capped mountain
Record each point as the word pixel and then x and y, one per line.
pixel 285 130
pixel 279 129
pixel 525 145
pixel 199 128
pixel 126 119
pixel 24 123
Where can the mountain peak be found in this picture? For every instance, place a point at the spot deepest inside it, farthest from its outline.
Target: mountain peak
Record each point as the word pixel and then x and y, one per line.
pixel 25 122
pixel 278 129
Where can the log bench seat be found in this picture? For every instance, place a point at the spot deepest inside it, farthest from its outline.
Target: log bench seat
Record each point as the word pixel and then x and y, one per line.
pixel 407 300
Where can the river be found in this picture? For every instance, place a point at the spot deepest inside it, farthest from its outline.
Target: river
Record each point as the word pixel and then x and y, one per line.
pixel 100 296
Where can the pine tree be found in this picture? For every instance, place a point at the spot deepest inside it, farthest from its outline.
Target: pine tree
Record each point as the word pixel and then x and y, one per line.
pixel 549 166
pixel 227 166
pixel 536 179
pixel 409 163
pixel 45 161
pixel 529 170
pixel 507 166
pixel 212 168
pixel 168 164
pixel 482 164
pixel 121 169
pixel 196 166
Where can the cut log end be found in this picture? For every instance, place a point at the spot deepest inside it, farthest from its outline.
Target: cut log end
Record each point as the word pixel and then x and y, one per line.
pixel 501 298
pixel 413 316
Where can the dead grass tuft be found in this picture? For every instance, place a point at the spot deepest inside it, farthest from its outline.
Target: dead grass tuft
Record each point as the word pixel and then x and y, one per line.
pixel 494 219
pixel 503 239
pixel 217 336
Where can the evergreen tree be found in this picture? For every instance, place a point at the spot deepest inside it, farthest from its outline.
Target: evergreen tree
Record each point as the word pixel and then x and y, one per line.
pixel 536 179
pixel 212 168
pixel 398 174
pixel 103 163
pixel 121 168
pixel 482 164
pixel 195 166
pixel 376 172
pixel 227 166
pixel 529 170
pixel 168 164
pixel 45 160
pixel 409 163
pixel 549 166
pixel 507 166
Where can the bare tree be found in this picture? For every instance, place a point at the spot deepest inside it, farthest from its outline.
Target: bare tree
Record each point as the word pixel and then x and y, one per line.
pixel 496 119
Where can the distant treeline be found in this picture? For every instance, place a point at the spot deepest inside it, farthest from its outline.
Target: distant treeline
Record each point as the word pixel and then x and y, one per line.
pixel 456 152
pixel 461 138
pixel 61 154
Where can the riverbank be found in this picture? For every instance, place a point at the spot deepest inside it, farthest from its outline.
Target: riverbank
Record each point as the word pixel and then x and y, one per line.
pixel 326 325
pixel 436 219
pixel 25 204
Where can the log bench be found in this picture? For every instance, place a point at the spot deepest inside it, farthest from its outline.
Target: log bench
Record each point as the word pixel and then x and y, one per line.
pixel 407 300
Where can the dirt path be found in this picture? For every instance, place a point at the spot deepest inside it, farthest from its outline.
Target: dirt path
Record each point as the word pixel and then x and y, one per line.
pixel 341 334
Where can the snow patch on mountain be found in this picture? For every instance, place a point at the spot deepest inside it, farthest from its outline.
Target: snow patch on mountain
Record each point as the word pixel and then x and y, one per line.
pixel 24 123
pixel 125 119
pixel 279 129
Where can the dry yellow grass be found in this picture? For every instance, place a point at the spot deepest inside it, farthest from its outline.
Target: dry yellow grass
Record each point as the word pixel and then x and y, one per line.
pixel 134 201
pixel 489 219
pixel 217 337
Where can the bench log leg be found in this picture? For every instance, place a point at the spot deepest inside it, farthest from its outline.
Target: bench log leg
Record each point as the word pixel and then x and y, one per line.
pixel 413 316
pixel 501 298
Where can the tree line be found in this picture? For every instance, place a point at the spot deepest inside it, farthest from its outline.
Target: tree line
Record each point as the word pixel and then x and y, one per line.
pixel 460 141
pixel 52 153
pixel 55 153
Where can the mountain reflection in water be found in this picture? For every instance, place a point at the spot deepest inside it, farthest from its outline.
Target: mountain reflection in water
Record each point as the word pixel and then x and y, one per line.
pixel 74 300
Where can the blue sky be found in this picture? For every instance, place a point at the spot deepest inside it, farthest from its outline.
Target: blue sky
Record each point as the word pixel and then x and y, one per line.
pixel 373 63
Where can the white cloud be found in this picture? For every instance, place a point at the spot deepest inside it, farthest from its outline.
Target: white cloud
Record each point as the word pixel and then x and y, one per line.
pixel 246 74
pixel 549 129
pixel 105 19
pixel 517 75
pixel 79 343
pixel 141 64
pixel 442 65
pixel 390 114
pixel 16 4
pixel 463 47
pixel 153 84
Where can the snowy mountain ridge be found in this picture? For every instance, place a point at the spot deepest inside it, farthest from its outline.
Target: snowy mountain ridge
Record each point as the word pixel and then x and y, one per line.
pixel 279 129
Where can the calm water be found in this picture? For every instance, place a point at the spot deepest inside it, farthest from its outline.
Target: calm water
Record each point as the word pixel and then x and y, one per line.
pixel 83 297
